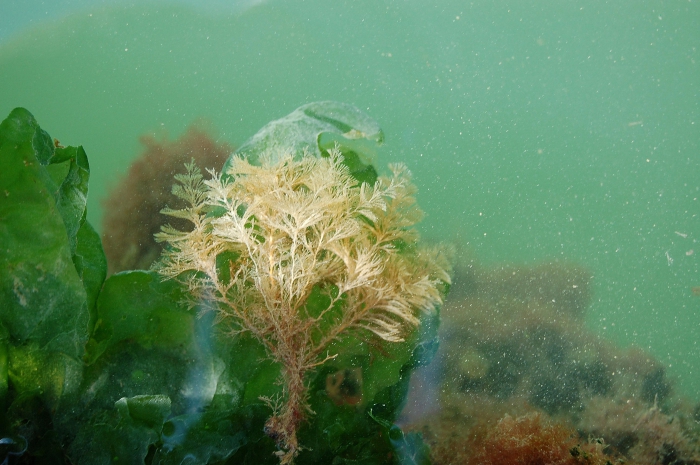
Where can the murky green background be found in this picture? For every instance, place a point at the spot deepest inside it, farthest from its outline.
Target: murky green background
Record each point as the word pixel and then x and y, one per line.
pixel 536 130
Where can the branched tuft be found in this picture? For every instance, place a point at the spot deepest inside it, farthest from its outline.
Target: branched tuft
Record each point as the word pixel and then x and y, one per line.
pixel 290 226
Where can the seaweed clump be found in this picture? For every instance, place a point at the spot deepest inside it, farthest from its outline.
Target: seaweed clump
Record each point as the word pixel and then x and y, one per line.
pixel 533 440
pixel 300 255
pixel 515 343
pixel 132 209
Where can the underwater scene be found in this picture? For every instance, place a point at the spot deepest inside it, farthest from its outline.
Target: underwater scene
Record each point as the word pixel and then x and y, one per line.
pixel 334 232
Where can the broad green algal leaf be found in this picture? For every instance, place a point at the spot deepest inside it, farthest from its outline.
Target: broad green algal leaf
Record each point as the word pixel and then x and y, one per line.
pixel 44 299
pixel 52 376
pixel 124 434
pixel 137 306
pixel 71 197
pixel 51 270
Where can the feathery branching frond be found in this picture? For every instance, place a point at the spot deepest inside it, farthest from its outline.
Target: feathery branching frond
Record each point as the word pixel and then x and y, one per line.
pixel 292 226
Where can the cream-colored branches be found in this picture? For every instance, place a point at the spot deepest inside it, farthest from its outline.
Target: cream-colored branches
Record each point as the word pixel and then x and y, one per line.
pixel 193 250
pixel 294 211
pixel 297 224
pixel 292 226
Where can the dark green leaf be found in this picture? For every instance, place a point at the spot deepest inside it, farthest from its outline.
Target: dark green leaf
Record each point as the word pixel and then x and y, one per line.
pixel 138 306
pixel 206 437
pixel 52 376
pixel 72 194
pixel 43 297
pixel 122 435
pixel 90 262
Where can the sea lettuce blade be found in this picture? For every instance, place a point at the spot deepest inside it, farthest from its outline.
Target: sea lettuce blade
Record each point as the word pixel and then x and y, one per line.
pixel 44 299
pixel 51 270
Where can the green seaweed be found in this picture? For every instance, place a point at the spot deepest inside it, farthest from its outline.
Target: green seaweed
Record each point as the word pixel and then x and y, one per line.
pixel 51 270
pixel 124 371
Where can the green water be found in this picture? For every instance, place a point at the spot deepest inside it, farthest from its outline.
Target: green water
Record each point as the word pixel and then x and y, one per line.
pixel 535 130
